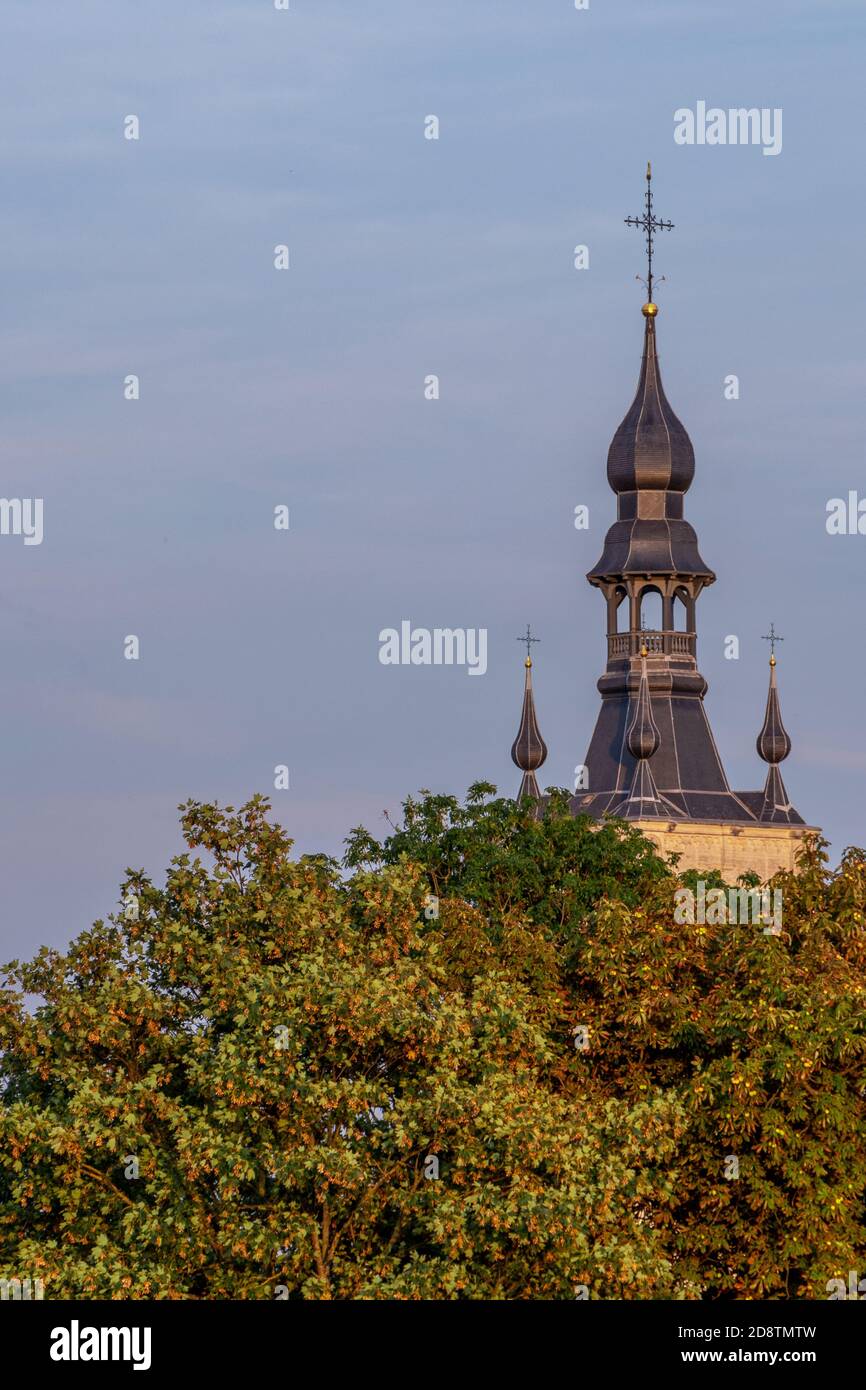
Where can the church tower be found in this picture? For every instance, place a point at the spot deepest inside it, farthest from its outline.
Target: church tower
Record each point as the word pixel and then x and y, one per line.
pixel 652 550
pixel 652 758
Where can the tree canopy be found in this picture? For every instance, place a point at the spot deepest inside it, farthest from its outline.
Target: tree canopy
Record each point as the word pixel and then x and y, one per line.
pixel 480 1059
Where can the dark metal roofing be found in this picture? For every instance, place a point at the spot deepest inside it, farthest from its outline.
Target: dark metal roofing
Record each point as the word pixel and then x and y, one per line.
pixel 651 448
pixel 650 466
pixel 773 743
pixel 773 746
pixel 643 738
pixel 528 750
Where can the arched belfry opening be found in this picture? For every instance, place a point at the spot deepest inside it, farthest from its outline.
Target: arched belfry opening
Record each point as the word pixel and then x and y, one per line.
pixel 650 609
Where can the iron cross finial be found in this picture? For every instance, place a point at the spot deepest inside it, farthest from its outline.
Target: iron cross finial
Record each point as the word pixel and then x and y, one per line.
pixel 650 224
pixel 528 639
pixel 772 637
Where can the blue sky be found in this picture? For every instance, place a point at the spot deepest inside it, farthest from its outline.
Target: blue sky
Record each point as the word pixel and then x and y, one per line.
pixel 408 257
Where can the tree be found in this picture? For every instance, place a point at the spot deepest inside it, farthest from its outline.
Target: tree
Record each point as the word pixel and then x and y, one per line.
pixel 266 1080
pixel 484 1060
pixel 552 867
pixel 760 1036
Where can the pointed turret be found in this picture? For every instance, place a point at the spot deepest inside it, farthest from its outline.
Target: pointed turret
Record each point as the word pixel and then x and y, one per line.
pixel 773 746
pixel 528 750
pixel 643 739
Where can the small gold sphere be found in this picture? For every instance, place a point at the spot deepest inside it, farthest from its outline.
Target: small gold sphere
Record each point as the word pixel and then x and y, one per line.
pixel 772 661
pixel 643 650
pixel 650 310
pixel 528 661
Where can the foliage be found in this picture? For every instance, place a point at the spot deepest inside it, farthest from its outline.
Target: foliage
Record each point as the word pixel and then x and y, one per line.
pixel 286 1056
pixel 504 857
pixel 368 1083
pixel 761 1037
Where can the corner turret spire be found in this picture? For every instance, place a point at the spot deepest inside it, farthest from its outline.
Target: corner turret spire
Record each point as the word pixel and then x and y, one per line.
pixel 529 750
pixel 643 739
pixel 774 745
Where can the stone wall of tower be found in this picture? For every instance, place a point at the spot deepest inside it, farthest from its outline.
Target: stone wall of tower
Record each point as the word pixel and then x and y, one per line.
pixel 732 849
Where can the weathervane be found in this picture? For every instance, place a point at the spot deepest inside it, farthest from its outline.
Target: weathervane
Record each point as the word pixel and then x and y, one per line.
pixel 772 637
pixel 650 224
pixel 528 639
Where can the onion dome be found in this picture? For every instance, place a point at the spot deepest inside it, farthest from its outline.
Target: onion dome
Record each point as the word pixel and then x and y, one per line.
pixel 774 745
pixel 642 740
pixel 642 735
pixel 528 750
pixel 650 466
pixel 651 449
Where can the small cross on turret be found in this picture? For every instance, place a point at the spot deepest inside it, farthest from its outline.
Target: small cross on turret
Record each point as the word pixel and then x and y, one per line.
pixel 772 637
pixel 528 639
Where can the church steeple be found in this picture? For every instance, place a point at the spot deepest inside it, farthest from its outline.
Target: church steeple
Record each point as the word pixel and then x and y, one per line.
pixel 774 745
pixel 528 750
pixel 652 759
pixel 651 574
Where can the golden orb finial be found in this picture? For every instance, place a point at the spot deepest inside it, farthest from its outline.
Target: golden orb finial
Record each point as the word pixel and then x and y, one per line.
pixel 650 310
pixel 644 651
pixel 528 662
pixel 772 661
